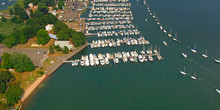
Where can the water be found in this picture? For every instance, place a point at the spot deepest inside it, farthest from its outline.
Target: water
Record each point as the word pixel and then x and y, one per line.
pixel 7 4
pixel 141 86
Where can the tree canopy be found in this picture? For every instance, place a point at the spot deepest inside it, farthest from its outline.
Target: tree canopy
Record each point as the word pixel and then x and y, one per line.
pixel 13 94
pixel 5 77
pixel 42 36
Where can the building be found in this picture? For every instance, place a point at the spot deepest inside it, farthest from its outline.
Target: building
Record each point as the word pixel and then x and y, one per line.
pixel 30 5
pixel 53 36
pixel 64 43
pixel 49 27
pixel 54 12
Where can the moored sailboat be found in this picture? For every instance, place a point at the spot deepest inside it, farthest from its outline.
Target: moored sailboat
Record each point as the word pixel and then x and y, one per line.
pixel 194 49
pixel 194 76
pixel 184 55
pixel 183 72
pixel 175 38
pixel 205 54
pixel 170 34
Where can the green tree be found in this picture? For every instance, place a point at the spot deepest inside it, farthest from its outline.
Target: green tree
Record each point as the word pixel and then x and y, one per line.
pixel 3 105
pixel 51 49
pixel 44 9
pixel 6 61
pixel 38 14
pixel 42 36
pixel 63 35
pixel 21 62
pixel 4 19
pixel 1 38
pixel 5 77
pixel 31 13
pixel 58 48
pixel 14 19
pixel 11 11
pixel 60 4
pixel 13 94
pixel 52 19
pixel 65 50
pixel 23 38
pixel 59 25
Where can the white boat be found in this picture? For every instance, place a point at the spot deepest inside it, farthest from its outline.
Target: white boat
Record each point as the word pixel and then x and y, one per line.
pixel 146 19
pixel 140 58
pixel 73 63
pixel 194 49
pixel 194 76
pixel 154 15
pixel 175 38
pixel 106 61
pixel 217 60
pixel 218 90
pixel 165 30
pixel 165 43
pixel 183 72
pixel 170 34
pixel 82 62
pixel 3 3
pixel 161 26
pixel 184 55
pixel 102 62
pixel 205 54
pixel 144 2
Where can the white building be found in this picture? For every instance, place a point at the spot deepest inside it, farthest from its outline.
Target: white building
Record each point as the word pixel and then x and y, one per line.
pixel 64 43
pixel 54 12
pixel 49 27
pixel 30 5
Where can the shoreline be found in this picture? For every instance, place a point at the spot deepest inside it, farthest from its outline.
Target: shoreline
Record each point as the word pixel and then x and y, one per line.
pixel 39 80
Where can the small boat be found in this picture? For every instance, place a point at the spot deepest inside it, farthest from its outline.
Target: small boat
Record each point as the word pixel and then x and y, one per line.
pixel 170 34
pixel 217 60
pixel 161 26
pixel 144 2
pixel 205 54
pixel 194 49
pixel 3 3
pixel 183 72
pixel 165 30
pixel 194 76
pixel 165 43
pixel 184 55
pixel 218 91
pixel 175 38
pixel 146 20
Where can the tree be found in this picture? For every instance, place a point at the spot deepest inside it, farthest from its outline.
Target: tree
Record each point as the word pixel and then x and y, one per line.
pixel 58 48
pixel 31 13
pixel 51 49
pixel 42 36
pixel 1 38
pixel 4 19
pixel 14 19
pixel 21 62
pixel 38 14
pixel 52 19
pixel 13 94
pixel 60 4
pixel 59 25
pixel 63 35
pixel 11 11
pixel 43 8
pixel 6 61
pixel 5 77
pixel 10 41
pixel 23 15
pixel 23 38
pixel 65 50
pixel 3 105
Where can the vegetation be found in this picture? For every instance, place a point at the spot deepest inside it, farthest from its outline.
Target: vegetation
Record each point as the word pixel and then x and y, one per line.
pixel 5 78
pixel 42 36
pixel 4 19
pixel 60 4
pixel 58 48
pixel 13 94
pixel 40 72
pixel 18 61
pixel 51 49
pixel 65 50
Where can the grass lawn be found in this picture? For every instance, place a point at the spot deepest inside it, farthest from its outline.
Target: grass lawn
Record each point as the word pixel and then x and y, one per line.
pixel 6 28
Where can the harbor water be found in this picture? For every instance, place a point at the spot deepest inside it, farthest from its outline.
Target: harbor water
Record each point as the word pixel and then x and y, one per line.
pixel 156 85
pixel 6 3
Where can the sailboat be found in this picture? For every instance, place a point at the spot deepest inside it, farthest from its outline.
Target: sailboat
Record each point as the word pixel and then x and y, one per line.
pixel 161 26
pixel 205 54
pixel 154 15
pixel 194 76
pixel 175 38
pixel 165 43
pixel 165 29
pixel 183 72
pixel 170 34
pixel 194 49
pixel 184 55
pixel 144 2
pixel 217 60
pixel 146 19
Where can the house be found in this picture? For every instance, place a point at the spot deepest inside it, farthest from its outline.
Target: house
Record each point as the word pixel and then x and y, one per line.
pixel 49 27
pixel 30 5
pixel 54 12
pixel 64 43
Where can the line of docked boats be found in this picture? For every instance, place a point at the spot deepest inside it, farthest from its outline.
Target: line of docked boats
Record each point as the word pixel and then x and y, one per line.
pixel 104 59
pixel 116 43
pixel 108 22
pixel 107 27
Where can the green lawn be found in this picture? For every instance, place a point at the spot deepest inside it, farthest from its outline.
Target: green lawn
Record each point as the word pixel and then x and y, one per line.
pixel 6 28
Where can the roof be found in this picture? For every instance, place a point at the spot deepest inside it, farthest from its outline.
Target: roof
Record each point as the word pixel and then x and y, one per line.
pixel 64 43
pixel 53 36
